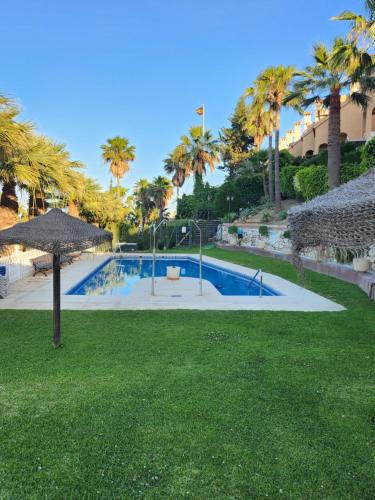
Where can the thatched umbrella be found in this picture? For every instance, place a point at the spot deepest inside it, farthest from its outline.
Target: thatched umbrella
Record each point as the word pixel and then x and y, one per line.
pixel 343 219
pixel 56 233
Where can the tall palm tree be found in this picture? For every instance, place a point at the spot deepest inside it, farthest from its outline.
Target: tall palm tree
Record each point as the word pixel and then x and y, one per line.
pixel 161 190
pixel 361 27
pixel 276 81
pixel 13 141
pixel 118 152
pixel 201 150
pixel 258 127
pixel 262 100
pixel 356 59
pixel 325 81
pixel 177 164
pixel 143 195
pixel 49 162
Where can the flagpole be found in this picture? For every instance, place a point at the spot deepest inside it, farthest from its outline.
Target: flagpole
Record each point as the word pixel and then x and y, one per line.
pixel 203 120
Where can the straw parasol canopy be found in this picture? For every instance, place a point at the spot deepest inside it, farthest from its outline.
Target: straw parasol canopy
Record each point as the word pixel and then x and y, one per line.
pixel 56 233
pixel 343 219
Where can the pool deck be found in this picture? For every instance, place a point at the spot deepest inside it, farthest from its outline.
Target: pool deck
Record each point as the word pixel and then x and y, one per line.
pixel 36 292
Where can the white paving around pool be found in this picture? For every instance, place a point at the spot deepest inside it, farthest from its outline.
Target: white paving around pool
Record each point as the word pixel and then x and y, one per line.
pixel 36 292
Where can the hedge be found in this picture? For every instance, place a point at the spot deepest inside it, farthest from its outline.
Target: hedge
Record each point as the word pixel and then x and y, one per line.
pixel 313 181
pixel 286 181
pixel 368 154
pixel 349 172
pixel 250 188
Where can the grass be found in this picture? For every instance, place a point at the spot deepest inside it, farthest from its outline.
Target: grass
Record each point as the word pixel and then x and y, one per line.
pixel 188 404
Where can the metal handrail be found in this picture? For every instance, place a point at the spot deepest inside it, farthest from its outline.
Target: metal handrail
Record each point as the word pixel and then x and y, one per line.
pixel 253 278
pixel 200 254
pixel 155 228
pixel 260 282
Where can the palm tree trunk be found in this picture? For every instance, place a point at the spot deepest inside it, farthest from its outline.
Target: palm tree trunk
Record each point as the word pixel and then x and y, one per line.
pixel 277 162
pixel 73 209
pixel 37 203
pixel 8 205
pixel 9 197
pixel 364 121
pixel 334 146
pixel 270 169
pixel 261 166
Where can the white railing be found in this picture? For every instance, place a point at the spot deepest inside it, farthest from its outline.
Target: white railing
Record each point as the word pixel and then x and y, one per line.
pixel 19 264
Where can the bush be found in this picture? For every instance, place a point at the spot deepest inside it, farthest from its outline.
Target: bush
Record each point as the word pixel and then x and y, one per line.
pixel 286 234
pixel 263 231
pixel 351 152
pixel 368 155
pixel 250 189
pixel 231 217
pixel 286 181
pixel 186 206
pixel 311 181
pixel 282 215
pixel 266 217
pixel 247 212
pixel 221 204
pixel 232 229
pixel 349 172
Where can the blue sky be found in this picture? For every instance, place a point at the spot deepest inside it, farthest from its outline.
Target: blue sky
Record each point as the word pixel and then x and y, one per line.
pixel 86 70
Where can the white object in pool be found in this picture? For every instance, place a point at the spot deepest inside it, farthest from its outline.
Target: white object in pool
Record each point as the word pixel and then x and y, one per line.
pixel 173 272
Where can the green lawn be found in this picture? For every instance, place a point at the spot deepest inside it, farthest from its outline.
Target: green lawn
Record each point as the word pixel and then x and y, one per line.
pixel 191 404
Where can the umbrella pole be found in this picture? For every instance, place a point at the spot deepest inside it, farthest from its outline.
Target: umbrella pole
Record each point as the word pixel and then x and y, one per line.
pixel 56 300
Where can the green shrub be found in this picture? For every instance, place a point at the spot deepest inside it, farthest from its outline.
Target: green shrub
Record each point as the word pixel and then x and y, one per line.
pixel 351 152
pixel 186 206
pixel 221 204
pixel 250 189
pixel 282 215
pixel 286 181
pixel 247 212
pixel 263 231
pixel 266 217
pixel 349 172
pixel 368 155
pixel 286 234
pixel 311 181
pixel 232 229
pixel 318 159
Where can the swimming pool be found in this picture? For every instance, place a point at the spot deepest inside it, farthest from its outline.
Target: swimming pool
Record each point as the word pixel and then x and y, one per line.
pixel 117 277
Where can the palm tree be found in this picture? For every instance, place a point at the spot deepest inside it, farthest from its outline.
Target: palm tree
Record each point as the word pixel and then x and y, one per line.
pixel 258 127
pixel 325 81
pixel 143 195
pixel 49 162
pixel 177 164
pixel 161 191
pixel 118 152
pixel 361 27
pixel 201 150
pixel 276 81
pixel 261 100
pixel 13 141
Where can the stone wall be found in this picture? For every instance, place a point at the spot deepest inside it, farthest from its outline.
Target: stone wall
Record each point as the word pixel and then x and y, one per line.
pixel 275 241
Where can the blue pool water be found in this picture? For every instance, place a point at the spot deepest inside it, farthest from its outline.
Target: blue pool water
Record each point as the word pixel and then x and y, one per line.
pixel 117 276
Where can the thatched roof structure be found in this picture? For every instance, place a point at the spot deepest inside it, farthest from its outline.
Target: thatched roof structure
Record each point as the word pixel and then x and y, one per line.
pixel 56 233
pixel 342 219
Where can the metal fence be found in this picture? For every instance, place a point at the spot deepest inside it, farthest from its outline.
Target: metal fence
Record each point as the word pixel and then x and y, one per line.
pixel 173 234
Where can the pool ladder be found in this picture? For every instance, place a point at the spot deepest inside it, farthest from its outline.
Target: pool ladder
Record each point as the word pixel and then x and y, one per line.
pixel 260 282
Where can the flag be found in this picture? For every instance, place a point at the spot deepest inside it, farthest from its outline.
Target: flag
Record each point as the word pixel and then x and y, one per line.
pixel 200 110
